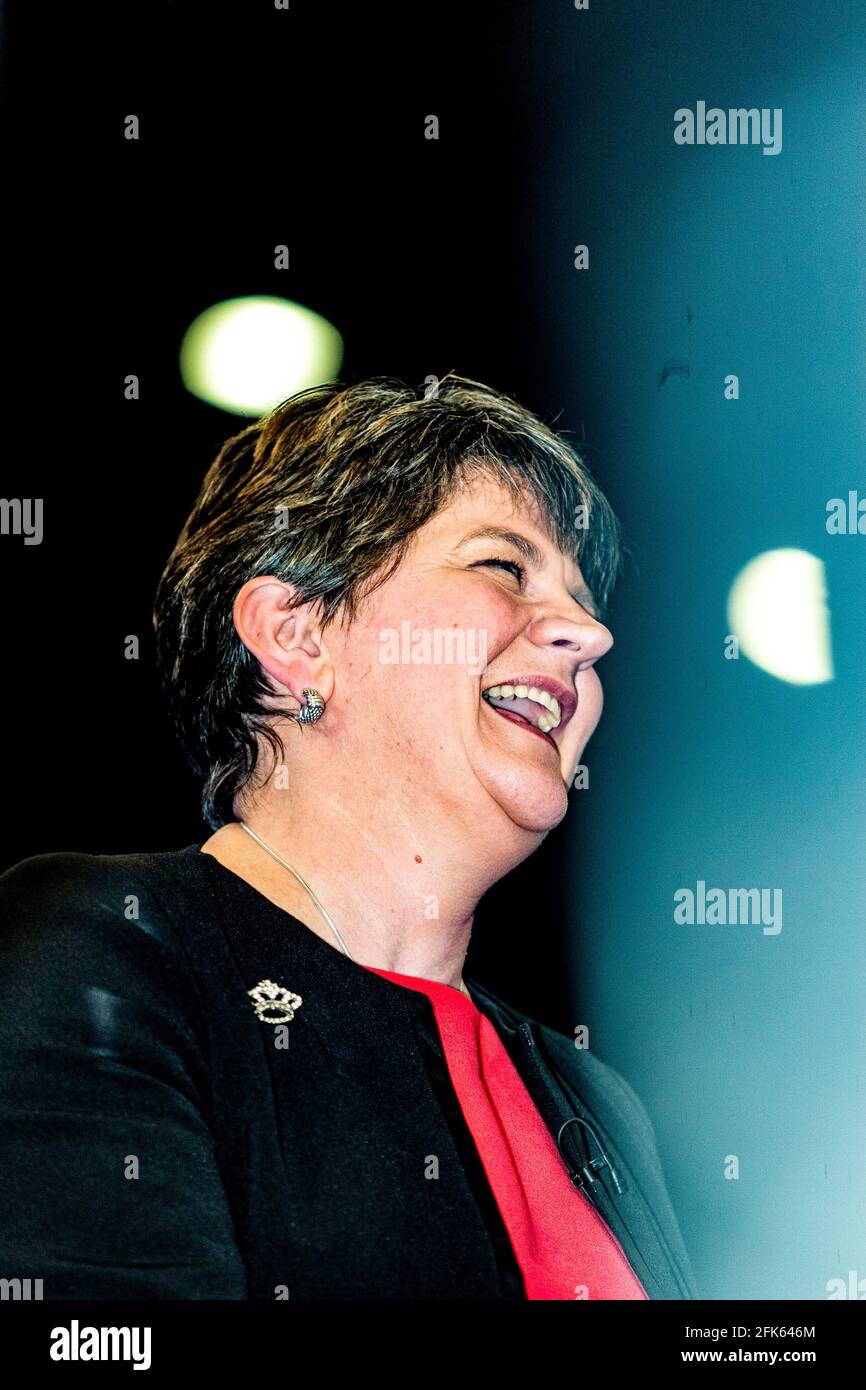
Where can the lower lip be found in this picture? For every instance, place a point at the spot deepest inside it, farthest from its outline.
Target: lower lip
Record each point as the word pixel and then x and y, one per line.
pixel 514 719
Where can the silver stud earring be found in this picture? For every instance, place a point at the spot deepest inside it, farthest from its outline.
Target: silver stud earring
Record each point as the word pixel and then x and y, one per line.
pixel 312 709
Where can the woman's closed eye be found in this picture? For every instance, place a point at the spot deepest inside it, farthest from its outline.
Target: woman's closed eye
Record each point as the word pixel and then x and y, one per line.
pixel 516 568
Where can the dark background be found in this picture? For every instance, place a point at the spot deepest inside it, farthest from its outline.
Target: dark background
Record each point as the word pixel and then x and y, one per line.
pixel 306 127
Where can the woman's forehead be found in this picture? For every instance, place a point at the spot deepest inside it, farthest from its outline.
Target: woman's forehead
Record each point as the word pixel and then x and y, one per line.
pixel 488 510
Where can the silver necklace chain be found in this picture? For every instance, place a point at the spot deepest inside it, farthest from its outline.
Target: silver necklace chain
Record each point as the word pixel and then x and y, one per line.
pixel 304 884
pixel 302 881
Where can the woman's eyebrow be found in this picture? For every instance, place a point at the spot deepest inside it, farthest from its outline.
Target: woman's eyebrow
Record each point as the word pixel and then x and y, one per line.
pixel 530 552
pixel 523 544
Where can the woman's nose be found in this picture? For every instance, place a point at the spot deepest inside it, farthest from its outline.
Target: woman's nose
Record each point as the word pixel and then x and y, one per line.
pixel 577 632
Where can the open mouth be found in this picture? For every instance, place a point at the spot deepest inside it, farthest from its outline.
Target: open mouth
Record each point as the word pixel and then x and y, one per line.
pixel 537 709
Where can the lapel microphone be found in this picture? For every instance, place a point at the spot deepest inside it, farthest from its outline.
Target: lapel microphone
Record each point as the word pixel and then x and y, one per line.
pixel 594 1163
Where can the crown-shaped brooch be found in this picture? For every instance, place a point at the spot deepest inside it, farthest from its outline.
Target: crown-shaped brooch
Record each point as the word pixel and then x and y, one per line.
pixel 273 1003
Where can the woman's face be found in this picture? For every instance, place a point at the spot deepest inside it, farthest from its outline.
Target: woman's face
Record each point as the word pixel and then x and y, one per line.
pixel 463 613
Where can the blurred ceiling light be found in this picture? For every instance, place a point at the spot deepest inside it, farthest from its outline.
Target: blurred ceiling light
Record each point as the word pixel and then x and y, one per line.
pixel 777 608
pixel 246 355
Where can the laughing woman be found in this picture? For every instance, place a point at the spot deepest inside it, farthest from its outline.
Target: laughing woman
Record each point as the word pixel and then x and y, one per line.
pixel 252 1068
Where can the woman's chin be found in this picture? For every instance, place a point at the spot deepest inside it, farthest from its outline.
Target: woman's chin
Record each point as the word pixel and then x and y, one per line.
pixel 536 801
pixel 541 817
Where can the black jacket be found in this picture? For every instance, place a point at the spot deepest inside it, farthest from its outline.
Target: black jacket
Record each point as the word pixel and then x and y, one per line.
pixel 156 1142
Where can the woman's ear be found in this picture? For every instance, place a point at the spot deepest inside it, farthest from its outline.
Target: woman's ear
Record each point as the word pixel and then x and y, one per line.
pixel 287 642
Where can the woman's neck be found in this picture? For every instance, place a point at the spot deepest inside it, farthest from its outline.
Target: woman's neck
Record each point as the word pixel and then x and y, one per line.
pixel 400 898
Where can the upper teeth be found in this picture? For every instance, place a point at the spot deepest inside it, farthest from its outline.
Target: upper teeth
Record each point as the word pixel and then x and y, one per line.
pixel 531 692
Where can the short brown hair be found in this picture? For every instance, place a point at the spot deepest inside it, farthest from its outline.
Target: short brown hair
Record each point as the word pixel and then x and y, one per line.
pixel 326 493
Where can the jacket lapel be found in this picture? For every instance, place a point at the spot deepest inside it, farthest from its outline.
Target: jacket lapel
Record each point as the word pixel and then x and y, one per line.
pixel 646 1228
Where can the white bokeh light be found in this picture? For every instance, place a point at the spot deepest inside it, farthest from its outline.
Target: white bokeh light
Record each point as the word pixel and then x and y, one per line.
pixel 247 355
pixel 777 608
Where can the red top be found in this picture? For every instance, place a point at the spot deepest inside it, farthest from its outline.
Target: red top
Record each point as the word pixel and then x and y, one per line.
pixel 564 1248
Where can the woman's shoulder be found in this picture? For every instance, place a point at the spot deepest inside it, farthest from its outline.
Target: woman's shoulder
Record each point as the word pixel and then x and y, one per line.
pixel 71 869
pixel 61 910
pixel 93 967
pixel 60 880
